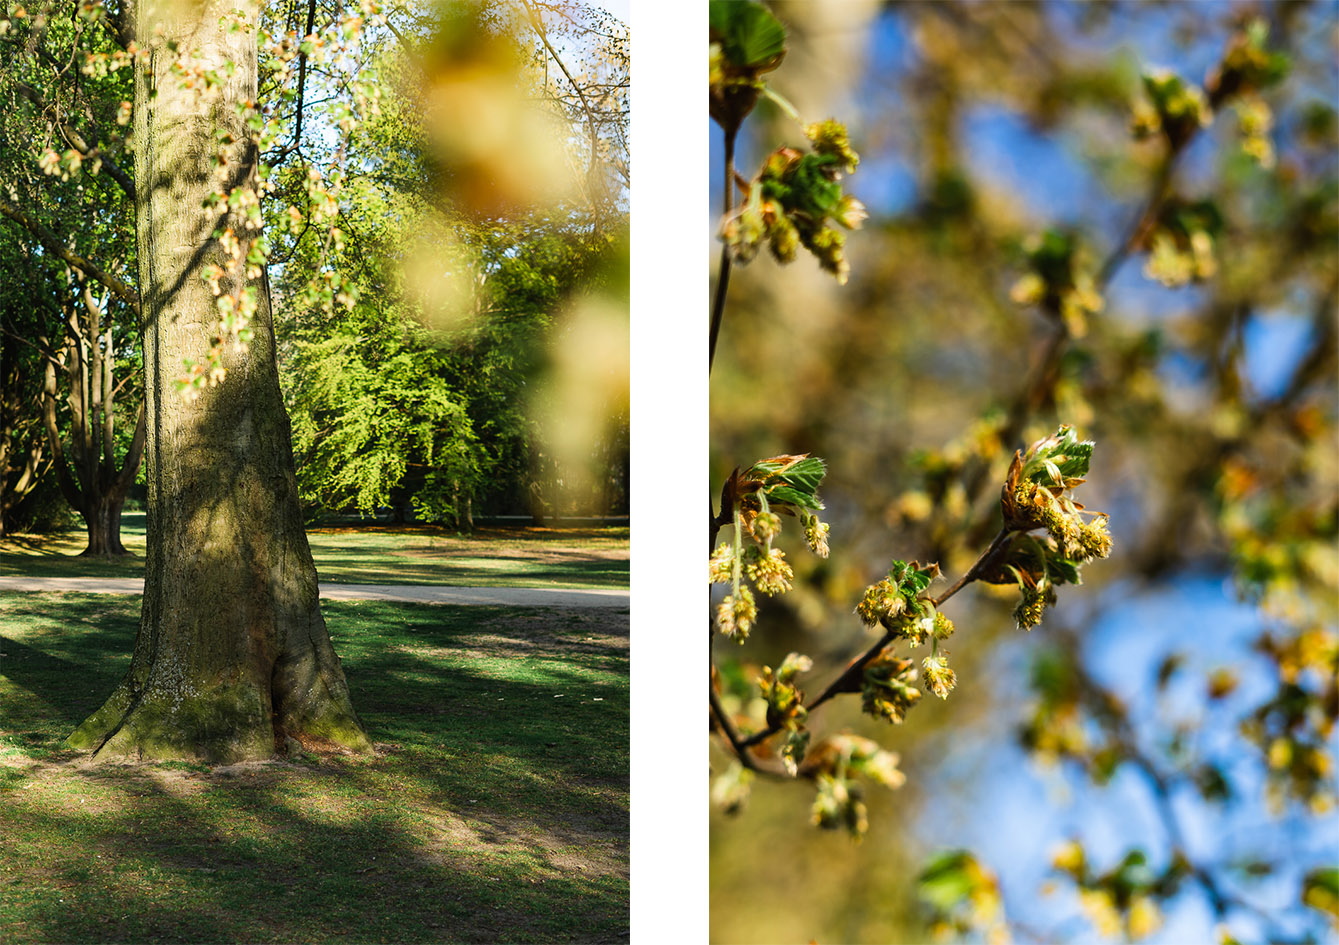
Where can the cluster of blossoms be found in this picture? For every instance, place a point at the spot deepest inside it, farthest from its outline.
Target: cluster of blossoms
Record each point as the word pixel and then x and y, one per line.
pixel 1180 245
pixel 785 707
pixel 887 690
pixel 1035 496
pixel 897 603
pixel 1247 69
pixel 836 763
pixel 796 194
pixel 1124 900
pixel 1059 280
pixel 759 497
pixel 1294 729
pixel 962 898
pixel 793 200
pixel 1175 108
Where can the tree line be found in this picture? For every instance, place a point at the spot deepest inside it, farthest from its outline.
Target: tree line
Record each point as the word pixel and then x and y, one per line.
pixel 394 405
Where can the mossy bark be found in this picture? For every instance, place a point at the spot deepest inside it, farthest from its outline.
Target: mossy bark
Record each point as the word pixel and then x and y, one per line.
pixel 232 661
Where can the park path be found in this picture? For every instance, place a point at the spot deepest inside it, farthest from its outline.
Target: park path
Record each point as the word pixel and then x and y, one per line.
pixel 420 593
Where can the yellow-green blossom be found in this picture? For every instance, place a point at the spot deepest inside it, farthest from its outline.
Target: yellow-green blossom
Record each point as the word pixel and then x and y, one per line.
pixel 770 572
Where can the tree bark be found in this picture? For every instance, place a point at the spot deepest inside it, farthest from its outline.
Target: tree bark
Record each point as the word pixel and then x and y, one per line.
pixel 232 661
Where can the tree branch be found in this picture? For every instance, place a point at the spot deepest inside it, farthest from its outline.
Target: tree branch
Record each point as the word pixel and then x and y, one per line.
pixel 851 673
pixel 53 245
pixel 538 27
pixel 76 140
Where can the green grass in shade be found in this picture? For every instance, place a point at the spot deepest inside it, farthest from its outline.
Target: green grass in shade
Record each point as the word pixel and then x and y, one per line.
pixel 405 554
pixel 495 809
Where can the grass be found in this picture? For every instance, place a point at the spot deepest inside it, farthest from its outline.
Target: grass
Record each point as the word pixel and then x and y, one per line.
pixel 495 809
pixel 405 554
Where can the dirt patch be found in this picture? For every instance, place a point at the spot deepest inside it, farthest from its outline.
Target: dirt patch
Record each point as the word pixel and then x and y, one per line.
pixel 587 631
pixel 563 850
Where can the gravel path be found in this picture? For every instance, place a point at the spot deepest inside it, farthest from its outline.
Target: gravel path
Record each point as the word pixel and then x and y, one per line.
pixel 494 596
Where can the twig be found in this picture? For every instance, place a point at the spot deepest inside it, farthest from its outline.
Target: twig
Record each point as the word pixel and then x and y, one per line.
pixel 723 280
pixel 723 721
pixel 53 245
pixel 979 567
pixel 1134 233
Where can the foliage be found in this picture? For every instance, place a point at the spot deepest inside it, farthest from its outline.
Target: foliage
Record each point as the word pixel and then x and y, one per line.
pixel 370 405
pixel 446 306
pixel 69 200
pixel 362 187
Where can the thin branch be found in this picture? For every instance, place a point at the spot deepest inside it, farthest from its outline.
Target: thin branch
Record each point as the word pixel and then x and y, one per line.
pixel 538 27
pixel 302 79
pixel 1142 221
pixel 723 722
pixel 980 567
pixel 723 279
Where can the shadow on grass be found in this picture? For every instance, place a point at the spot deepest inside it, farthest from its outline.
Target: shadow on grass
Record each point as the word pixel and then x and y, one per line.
pixel 60 564
pixel 495 809
pixel 353 569
pixel 65 651
pixel 380 555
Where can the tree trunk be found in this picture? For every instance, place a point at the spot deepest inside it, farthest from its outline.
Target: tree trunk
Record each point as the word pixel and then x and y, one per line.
pixel 94 489
pixel 232 661
pixel 103 522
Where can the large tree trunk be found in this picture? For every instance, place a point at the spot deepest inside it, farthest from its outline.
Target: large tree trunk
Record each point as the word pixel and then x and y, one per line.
pixel 232 661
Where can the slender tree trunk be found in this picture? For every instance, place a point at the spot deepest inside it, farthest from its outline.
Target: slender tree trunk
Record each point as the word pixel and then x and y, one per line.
pixel 232 660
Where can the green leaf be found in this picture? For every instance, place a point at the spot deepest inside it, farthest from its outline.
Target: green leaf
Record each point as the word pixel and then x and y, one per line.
pixel 1320 890
pixel 917 581
pixel 750 36
pixel 1061 570
pixel 947 880
pixel 802 500
pixel 806 474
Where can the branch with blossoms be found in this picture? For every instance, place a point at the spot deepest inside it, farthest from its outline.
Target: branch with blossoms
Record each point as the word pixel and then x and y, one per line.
pixel 796 200
pixel 1046 539
pixel 1077 720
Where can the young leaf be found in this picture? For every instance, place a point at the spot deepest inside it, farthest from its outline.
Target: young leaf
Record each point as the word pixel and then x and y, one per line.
pixel 749 35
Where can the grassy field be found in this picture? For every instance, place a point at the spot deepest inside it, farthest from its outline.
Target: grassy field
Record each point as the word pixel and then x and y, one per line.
pixel 495 808
pixel 404 554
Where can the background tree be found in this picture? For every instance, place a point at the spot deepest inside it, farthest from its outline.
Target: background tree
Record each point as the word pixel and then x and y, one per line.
pixel 447 282
pixel 87 357
pixel 64 118
pixel 1192 727
pixel 23 456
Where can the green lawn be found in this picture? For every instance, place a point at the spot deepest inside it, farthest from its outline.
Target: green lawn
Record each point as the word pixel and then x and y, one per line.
pixel 496 807
pixel 408 554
